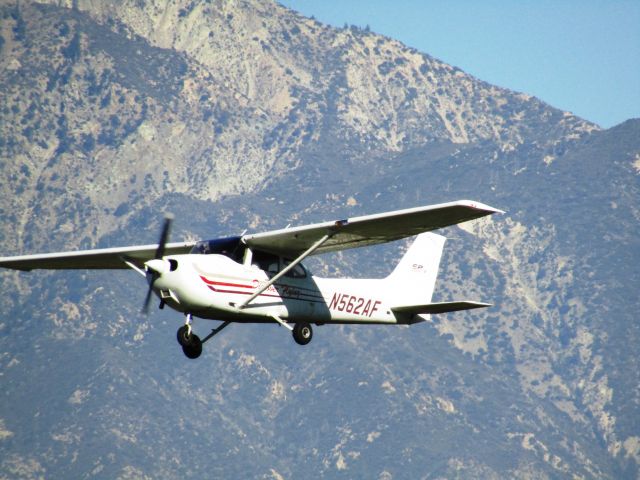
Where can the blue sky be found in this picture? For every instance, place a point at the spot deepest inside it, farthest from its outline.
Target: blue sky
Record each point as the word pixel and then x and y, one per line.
pixel 579 56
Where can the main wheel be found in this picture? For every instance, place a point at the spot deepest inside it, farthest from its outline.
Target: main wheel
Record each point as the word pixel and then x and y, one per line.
pixel 194 348
pixel 302 333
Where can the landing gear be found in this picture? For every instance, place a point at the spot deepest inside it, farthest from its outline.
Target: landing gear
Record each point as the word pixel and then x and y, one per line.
pixel 302 333
pixel 190 342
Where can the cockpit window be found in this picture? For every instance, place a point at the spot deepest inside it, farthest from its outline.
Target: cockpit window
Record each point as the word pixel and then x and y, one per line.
pixel 230 247
pixel 272 264
pixel 266 261
pixel 296 272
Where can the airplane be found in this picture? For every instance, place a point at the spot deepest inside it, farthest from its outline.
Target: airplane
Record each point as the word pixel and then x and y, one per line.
pixel 259 278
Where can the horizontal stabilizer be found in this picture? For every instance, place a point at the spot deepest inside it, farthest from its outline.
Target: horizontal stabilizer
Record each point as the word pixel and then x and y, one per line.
pixel 441 307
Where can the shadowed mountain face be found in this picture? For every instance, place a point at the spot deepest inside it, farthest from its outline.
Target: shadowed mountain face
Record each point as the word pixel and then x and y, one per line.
pixel 245 115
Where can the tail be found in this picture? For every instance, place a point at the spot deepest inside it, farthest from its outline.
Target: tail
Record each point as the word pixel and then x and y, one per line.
pixel 414 278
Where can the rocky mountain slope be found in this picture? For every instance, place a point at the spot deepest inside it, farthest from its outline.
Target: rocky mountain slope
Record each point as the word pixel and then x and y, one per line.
pixel 244 114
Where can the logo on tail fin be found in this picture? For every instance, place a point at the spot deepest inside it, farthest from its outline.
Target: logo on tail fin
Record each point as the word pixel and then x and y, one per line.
pixel 414 278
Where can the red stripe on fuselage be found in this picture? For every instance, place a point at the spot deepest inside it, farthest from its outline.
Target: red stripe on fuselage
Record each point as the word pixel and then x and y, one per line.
pixel 219 290
pixel 312 297
pixel 224 284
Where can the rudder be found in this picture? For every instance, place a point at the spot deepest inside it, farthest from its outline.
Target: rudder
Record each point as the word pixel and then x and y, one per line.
pixel 414 278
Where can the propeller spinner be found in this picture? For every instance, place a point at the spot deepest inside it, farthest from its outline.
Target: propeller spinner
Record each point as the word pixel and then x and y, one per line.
pixel 156 267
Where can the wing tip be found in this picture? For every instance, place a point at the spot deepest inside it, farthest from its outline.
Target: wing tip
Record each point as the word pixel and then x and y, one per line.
pixel 480 206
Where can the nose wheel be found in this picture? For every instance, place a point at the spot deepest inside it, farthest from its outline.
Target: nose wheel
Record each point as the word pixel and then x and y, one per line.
pixel 189 341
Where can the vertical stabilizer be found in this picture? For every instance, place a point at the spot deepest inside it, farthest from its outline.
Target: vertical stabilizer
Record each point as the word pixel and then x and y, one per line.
pixel 414 278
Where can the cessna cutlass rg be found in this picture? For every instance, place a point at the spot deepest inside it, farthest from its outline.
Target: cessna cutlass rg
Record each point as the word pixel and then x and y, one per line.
pixel 259 278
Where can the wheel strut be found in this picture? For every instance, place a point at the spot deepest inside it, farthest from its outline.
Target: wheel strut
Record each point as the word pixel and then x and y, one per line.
pixel 189 341
pixel 188 320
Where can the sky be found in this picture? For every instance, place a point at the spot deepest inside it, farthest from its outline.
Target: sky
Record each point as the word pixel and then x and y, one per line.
pixel 579 56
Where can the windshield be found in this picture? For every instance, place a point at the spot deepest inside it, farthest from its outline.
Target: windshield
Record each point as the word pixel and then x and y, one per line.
pixel 230 247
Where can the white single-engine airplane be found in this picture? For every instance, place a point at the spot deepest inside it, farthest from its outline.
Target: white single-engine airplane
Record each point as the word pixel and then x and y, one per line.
pixel 259 278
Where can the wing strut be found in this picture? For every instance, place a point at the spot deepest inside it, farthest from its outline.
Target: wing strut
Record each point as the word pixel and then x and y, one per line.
pixel 285 270
pixel 133 266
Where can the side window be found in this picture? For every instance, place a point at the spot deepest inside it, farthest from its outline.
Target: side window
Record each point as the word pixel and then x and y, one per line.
pixel 296 272
pixel 266 261
pixel 271 264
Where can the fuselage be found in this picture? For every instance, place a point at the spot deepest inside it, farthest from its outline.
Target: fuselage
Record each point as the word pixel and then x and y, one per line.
pixel 213 286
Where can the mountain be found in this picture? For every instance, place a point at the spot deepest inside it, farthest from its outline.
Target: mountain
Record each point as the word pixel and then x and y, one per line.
pixel 244 114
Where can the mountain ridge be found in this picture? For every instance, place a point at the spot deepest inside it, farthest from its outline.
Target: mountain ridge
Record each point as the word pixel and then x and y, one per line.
pixel 124 112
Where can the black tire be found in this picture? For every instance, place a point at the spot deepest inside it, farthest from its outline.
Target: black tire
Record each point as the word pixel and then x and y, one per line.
pixel 183 337
pixel 302 333
pixel 194 348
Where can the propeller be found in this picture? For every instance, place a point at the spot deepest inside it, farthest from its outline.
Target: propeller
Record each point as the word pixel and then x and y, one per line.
pixel 153 274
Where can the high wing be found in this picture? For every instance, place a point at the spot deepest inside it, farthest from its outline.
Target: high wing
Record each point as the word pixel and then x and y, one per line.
pixel 105 258
pixel 368 229
pixel 290 242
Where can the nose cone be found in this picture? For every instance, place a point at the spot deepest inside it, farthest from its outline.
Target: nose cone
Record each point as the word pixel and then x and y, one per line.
pixel 157 265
